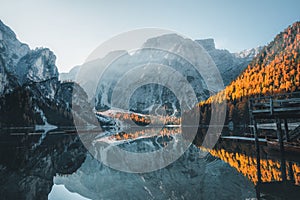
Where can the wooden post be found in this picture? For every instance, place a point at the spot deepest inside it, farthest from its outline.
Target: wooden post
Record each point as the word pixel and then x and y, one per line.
pixel 257 151
pixel 255 130
pixel 271 106
pixel 280 138
pixel 257 159
pixel 287 138
pixel 286 130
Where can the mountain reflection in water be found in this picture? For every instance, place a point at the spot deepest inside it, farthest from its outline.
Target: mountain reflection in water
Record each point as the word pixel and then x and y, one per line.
pixel 25 169
pixel 241 156
pixel 195 175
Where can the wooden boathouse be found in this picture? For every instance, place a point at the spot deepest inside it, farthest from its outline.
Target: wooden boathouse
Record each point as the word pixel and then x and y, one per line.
pixel 281 109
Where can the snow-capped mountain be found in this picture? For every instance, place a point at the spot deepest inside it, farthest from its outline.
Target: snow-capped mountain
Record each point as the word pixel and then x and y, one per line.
pixel 248 53
pixel 229 64
pixel 32 75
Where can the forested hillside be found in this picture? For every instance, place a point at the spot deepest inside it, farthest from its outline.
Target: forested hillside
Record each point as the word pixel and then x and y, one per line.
pixel 275 70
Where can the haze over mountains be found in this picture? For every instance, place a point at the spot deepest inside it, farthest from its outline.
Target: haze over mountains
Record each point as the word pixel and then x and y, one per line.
pixel 32 94
pixel 229 64
pixel 31 75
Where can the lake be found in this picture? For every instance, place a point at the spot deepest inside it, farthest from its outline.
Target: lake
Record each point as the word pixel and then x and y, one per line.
pixel 59 165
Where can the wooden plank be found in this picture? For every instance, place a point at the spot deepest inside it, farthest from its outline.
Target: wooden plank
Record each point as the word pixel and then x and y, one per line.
pixel 275 110
pixel 261 140
pixel 261 111
pixel 286 109
pixel 260 105
pixel 292 100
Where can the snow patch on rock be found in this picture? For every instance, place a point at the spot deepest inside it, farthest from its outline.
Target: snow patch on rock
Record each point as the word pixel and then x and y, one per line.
pixel 46 127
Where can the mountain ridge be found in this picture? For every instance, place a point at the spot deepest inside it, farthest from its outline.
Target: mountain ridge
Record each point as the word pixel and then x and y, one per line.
pixel 275 70
pixel 236 62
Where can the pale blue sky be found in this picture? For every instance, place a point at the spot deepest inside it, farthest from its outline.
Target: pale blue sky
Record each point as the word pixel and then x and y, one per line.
pixel 74 28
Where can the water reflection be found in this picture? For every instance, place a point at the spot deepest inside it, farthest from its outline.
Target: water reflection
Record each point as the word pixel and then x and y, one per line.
pixel 270 169
pixel 24 169
pixel 144 132
pixel 195 175
pixel 27 172
pixel 241 155
pixel 191 177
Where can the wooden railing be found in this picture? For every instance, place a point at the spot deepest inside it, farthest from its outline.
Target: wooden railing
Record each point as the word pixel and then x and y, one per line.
pixel 279 108
pixel 283 104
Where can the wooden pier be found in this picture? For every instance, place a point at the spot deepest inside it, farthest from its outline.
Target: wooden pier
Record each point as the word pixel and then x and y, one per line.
pixel 279 109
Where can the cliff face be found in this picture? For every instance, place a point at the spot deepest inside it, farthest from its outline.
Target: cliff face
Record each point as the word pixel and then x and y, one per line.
pixel 38 66
pixel 21 66
pixel 229 64
pixel 29 85
pixel 11 51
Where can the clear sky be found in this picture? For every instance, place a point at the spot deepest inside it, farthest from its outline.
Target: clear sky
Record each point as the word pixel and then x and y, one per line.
pixel 74 28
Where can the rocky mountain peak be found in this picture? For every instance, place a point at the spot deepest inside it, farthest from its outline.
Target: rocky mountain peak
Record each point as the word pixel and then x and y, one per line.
pixel 208 44
pixel 229 64
pixel 23 63
pixel 21 66
pixel 38 65
pixel 28 83
pixel 11 49
pixel 6 30
pixel 248 53
pixel 167 39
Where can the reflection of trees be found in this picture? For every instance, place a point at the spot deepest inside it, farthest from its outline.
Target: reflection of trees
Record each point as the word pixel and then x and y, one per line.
pixel 146 132
pixel 270 170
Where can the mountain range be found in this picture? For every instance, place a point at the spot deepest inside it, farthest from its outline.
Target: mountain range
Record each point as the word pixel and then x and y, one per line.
pixel 148 98
pixel 33 93
pixel 31 86
pixel 229 64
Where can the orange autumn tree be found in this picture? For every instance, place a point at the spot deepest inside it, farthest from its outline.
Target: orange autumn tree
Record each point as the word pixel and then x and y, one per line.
pixel 275 70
